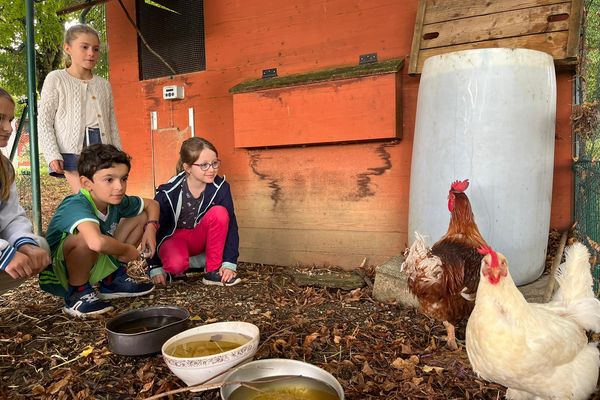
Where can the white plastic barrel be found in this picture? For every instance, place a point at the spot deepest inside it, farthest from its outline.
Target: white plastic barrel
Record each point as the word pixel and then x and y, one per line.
pixel 488 115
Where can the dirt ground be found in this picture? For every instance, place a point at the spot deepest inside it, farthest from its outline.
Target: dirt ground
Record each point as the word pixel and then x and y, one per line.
pixel 375 350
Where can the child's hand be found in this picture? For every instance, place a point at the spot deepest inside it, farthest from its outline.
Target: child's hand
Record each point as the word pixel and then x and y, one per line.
pixel 57 166
pixel 159 279
pixel 19 266
pixel 226 274
pixel 39 257
pixel 130 254
pixel 148 243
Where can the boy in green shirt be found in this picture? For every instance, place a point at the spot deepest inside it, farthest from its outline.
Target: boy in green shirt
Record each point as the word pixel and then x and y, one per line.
pixel 96 232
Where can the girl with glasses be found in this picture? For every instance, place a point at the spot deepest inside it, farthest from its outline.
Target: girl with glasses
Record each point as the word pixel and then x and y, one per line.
pixel 196 217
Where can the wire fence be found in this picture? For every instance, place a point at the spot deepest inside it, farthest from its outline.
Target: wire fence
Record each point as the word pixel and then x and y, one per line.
pixel 587 195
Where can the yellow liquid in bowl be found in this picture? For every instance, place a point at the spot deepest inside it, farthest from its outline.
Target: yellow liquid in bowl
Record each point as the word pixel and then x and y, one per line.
pixel 206 344
pixel 285 388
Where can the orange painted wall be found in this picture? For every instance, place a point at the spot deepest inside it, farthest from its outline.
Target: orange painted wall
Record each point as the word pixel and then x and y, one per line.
pixel 321 204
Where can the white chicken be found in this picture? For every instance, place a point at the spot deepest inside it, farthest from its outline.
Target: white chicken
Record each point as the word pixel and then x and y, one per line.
pixel 538 351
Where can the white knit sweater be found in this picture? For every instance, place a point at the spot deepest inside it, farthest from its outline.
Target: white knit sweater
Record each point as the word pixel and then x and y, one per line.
pixel 61 114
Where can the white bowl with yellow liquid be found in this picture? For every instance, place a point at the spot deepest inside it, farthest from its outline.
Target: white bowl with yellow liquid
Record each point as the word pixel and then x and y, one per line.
pixel 206 352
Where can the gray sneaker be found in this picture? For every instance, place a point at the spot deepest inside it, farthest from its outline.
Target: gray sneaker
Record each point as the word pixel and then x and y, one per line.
pixel 213 278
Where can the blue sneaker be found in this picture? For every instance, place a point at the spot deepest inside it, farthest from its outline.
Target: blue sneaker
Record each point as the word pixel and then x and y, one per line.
pixel 83 302
pixel 123 285
pixel 213 278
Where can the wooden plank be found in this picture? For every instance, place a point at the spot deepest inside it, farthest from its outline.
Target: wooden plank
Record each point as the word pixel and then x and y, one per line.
pixel 327 279
pixel 317 247
pixel 446 10
pixel 575 22
pixel 356 109
pixel 416 40
pixel 552 43
pixel 496 26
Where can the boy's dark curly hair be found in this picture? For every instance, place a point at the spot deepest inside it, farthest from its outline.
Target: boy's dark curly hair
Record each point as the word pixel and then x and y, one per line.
pixel 100 156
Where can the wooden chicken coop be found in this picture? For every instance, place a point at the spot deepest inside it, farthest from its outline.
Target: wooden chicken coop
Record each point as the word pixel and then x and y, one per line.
pixel 312 107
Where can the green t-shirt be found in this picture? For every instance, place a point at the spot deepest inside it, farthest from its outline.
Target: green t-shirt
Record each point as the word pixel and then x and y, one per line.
pixel 78 208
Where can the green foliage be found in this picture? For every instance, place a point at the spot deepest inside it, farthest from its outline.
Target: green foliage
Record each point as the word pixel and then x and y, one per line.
pixel 592 55
pixel 48 32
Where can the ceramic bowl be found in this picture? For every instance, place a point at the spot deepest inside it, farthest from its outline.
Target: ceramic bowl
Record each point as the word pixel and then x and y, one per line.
pixel 143 331
pixel 273 367
pixel 198 370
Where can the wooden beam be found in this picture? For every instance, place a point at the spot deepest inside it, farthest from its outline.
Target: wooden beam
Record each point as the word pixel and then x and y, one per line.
pixel 575 20
pixel 416 40
pixel 442 11
pixel 552 43
pixel 81 6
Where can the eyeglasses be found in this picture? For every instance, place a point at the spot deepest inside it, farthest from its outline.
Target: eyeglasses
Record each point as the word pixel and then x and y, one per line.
pixel 204 166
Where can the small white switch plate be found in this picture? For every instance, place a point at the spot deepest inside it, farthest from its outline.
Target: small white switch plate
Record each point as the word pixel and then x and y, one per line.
pixel 153 120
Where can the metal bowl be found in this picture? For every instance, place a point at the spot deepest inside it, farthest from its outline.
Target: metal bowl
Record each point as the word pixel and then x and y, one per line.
pixel 143 331
pixel 276 367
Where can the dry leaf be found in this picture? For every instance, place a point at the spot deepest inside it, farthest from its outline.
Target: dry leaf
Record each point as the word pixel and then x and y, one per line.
pixel 56 386
pixel 427 368
pixel 367 370
pixel 38 389
pixel 86 352
pixel 398 363
pixel 147 386
pixel 310 338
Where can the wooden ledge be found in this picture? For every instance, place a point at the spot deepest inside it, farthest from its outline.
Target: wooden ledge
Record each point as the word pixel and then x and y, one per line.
pixel 383 67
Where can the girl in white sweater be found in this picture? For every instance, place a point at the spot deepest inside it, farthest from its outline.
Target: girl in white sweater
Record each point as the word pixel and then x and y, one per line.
pixel 76 107
pixel 20 253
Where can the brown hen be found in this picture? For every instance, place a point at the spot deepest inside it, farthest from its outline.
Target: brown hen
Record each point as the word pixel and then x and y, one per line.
pixel 444 278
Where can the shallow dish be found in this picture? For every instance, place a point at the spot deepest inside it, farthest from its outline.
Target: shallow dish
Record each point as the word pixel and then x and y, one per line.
pixel 143 331
pixel 202 369
pixel 276 367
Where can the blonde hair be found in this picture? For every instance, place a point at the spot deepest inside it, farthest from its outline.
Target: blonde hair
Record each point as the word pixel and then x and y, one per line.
pixel 7 172
pixel 191 149
pixel 72 33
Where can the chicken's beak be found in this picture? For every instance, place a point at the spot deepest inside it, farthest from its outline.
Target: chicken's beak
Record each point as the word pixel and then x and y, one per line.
pixel 495 273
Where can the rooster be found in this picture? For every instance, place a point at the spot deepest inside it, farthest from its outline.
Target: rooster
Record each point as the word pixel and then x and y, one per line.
pixel 444 278
pixel 538 351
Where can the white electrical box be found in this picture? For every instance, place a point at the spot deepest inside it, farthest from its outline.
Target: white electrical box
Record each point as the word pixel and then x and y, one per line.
pixel 173 92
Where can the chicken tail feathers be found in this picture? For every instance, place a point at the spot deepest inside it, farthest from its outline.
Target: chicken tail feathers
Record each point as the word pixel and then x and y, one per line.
pixel 574 275
pixel 417 252
pixel 586 312
pixel 575 292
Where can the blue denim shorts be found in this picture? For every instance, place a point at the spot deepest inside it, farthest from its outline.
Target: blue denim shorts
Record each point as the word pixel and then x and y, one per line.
pixel 92 136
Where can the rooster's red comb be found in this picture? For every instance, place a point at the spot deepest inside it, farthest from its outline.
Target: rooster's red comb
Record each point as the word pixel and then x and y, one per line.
pixel 488 250
pixel 459 186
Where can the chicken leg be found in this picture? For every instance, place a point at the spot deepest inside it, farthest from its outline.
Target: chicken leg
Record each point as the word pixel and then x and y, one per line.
pixel 451 341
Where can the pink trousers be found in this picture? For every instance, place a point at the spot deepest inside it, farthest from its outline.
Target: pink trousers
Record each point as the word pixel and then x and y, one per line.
pixel 208 237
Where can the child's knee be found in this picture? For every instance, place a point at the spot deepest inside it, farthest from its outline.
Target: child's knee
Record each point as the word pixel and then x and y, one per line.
pixel 219 215
pixel 174 262
pixel 77 252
